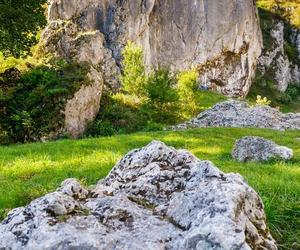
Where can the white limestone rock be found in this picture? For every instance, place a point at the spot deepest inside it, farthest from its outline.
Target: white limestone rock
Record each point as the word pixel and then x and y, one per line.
pixel 155 197
pixel 275 61
pixel 251 148
pixel 239 114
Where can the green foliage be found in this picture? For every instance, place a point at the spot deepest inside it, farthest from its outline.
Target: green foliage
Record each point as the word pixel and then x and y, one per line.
pixel 32 102
pixel 264 85
pixel 263 101
pixel 20 21
pixel 162 102
pixel 287 9
pixel 134 75
pixel 119 114
pixel 31 170
pixel 291 52
pixel 188 93
pixel 161 98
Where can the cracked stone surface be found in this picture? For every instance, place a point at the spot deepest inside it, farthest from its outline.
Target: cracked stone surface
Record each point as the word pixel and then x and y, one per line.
pixel 239 114
pixel 252 148
pixel 155 197
pixel 175 33
pixel 274 60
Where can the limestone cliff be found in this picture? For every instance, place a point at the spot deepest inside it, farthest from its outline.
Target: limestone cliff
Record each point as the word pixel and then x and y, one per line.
pixel 221 38
pixel 275 63
pixel 279 65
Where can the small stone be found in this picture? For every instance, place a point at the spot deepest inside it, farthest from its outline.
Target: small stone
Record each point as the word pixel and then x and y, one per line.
pixel 252 148
pixel 73 188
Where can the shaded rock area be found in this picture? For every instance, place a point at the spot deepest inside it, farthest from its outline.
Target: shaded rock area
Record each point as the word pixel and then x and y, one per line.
pixel 156 197
pixel 274 61
pixel 239 114
pixel 175 33
pixel 251 148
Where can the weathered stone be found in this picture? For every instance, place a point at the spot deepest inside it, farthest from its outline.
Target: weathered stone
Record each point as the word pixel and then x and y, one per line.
pixel 156 197
pixel 274 61
pixel 251 148
pixel 177 33
pixel 233 113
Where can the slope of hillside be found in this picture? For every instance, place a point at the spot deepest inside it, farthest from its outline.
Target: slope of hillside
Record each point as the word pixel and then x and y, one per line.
pixel 29 171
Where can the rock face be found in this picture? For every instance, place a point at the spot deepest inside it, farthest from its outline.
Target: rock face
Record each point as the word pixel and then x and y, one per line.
pixel 177 33
pixel 274 61
pixel 252 148
pixel 239 114
pixel 155 198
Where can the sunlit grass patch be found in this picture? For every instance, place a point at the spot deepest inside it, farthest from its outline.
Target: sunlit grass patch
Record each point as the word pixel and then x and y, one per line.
pixel 29 171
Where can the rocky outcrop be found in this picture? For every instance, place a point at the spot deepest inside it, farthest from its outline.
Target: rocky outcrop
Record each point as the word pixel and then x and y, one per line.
pixel 156 197
pixel 239 114
pixel 72 34
pixel 275 62
pixel 176 33
pixel 251 148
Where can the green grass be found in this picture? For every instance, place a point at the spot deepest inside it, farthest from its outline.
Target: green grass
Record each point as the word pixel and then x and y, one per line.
pixel 31 170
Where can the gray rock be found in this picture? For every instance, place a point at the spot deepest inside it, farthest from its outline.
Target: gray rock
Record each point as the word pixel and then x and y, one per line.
pixel 274 60
pixel 177 33
pixel 155 197
pixel 239 114
pixel 251 148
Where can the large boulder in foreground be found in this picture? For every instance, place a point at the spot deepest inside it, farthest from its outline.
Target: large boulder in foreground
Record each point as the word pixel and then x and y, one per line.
pixel 252 148
pixel 156 197
pixel 239 114
pixel 175 33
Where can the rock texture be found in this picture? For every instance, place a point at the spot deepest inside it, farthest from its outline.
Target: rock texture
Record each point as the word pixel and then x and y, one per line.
pixel 251 148
pixel 239 114
pixel 155 198
pixel 177 33
pixel 274 61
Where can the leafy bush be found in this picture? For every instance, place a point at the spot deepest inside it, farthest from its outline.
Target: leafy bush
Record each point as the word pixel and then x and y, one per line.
pixel 149 102
pixel 162 102
pixel 32 103
pixel 101 128
pixel 262 101
pixel 134 76
pixel 293 91
pixel 187 87
pixel 119 114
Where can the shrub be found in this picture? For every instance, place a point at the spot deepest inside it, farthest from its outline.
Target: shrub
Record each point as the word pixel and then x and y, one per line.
pixel 32 104
pixel 100 128
pixel 119 113
pixel 293 91
pixel 262 100
pixel 134 76
pixel 162 102
pixel 187 87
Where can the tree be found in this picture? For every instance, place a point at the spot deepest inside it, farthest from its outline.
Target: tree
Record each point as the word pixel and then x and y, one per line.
pixel 162 102
pixel 20 20
pixel 187 89
pixel 134 72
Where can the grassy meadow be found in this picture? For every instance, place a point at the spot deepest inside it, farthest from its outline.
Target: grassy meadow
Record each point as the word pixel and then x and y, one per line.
pixel 31 170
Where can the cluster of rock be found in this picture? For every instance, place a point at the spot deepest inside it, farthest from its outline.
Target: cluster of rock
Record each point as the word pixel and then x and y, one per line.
pixel 176 33
pixel 251 148
pixel 233 113
pixel 155 198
